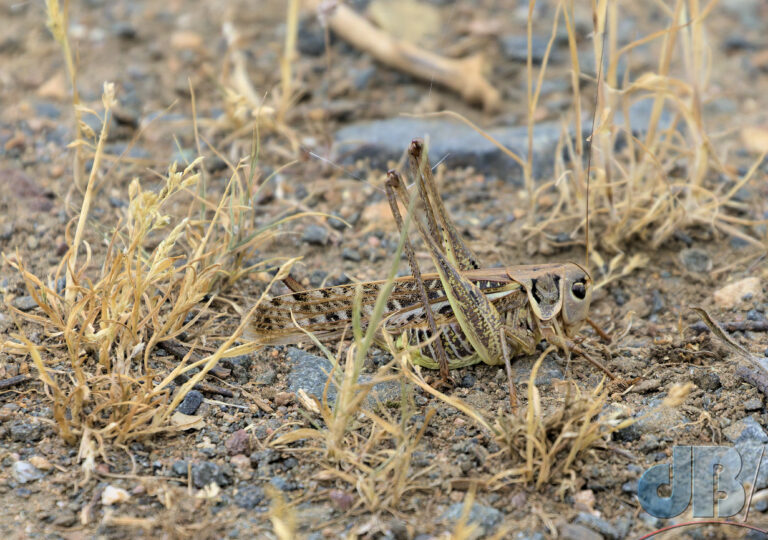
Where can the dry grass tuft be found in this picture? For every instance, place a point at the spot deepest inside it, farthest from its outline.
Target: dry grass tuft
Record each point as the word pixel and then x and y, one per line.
pixel 667 179
pixel 547 446
pixel 157 282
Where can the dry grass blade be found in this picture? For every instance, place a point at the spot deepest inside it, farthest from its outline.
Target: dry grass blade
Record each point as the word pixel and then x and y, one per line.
pixel 282 516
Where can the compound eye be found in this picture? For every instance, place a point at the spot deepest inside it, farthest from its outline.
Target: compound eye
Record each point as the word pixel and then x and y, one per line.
pixel 579 290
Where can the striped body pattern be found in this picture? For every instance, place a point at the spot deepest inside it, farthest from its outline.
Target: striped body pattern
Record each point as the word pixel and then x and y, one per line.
pixel 327 314
pixel 459 315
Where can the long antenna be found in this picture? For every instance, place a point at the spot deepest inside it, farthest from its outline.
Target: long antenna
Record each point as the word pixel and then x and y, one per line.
pixel 592 132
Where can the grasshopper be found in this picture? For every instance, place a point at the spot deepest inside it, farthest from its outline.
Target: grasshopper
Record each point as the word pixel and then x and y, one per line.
pixel 461 315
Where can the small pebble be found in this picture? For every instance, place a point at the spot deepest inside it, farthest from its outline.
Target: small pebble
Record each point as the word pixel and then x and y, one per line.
pixel 208 472
pixel 734 293
pixel 706 380
pixel 283 398
pixel 315 235
pixel 696 260
pixel 248 496
pixel 349 254
pixel 24 472
pixel 241 462
pixel 190 403
pixel 467 381
pixel 753 404
pixel 341 499
pixel 238 443
pixel 24 303
pixel 114 495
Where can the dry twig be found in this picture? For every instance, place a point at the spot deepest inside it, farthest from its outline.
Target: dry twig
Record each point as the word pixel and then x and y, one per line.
pixel 464 75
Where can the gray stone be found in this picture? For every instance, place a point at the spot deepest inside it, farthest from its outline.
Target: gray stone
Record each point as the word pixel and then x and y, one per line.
pixel 24 472
pixel 206 473
pixel 573 531
pixel 248 496
pixel 485 517
pixel 746 11
pixel 753 455
pixel 660 419
pixel 48 110
pixel 515 48
pixel 753 404
pixel 598 524
pixel 283 484
pixel 385 141
pixel 310 373
pixel 315 235
pixel 696 260
pixel 746 430
pixel 179 468
pixel 529 536
pixel 311 38
pixel 268 377
pixel 24 303
pixel 190 403
pixel 349 254
pixel 124 30
pixel 26 431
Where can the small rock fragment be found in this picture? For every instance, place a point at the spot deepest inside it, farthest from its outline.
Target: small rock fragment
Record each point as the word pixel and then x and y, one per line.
pixel 190 403
pixel 744 430
pixel 341 499
pixel 648 385
pixel 485 517
pixel 753 404
pixel 186 39
pixel 696 260
pixel 240 462
pixel 26 431
pixel 315 235
pixel 573 531
pixel 206 473
pixel 24 303
pixel 41 463
pixel 24 472
pixel 238 443
pixel 734 293
pixel 598 524
pixel 707 380
pixel 515 48
pixel 248 496
pixel 114 495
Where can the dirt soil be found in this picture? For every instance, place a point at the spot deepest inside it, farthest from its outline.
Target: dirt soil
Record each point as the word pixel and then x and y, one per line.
pixel 156 51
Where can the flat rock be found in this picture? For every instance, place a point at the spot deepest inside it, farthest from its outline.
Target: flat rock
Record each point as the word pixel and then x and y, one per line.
pixel 310 373
pixel 696 260
pixel 745 430
pixel 24 303
pixel 514 47
pixel 385 141
pixel 734 293
pixel 573 531
pixel 24 472
pixel 660 419
pixel 599 525
pixel 485 517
